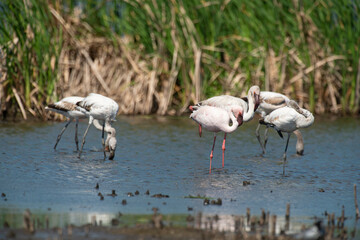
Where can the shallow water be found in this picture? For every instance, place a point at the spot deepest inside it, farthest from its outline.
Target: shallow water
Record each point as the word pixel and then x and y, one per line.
pixel 165 155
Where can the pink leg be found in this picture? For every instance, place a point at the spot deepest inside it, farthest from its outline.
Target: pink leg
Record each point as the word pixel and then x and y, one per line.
pixel 200 130
pixel 212 150
pixel 223 149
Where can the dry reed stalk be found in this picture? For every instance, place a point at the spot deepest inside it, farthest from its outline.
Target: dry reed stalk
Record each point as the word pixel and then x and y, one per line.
pixel 357 91
pixel 18 100
pixel 271 71
pixel 230 78
pixel 356 203
pixel 318 64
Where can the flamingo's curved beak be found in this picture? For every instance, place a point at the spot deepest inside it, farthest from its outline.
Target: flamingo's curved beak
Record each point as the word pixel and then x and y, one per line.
pixel 112 154
pixel 257 100
pixel 240 119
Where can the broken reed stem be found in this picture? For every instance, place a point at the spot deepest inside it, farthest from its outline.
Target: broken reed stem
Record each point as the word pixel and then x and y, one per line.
pixel 287 217
pixel 248 216
pixel 356 204
pixel 273 226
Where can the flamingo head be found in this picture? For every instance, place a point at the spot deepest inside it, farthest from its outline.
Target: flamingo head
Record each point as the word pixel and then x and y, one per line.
pixel 254 91
pixel 110 144
pixel 238 113
pixel 112 147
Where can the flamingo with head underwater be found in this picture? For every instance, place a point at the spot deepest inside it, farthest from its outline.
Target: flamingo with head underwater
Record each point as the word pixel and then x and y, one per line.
pixel 215 119
pixel 99 107
pixel 288 119
pixel 270 101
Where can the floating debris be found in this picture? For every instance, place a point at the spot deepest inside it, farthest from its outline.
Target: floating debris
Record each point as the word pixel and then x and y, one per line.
pixel 321 190
pixel 147 192
pixel 123 202
pixel 198 197
pixel 97 186
pixel 216 202
pixel 3 195
pixel 113 193
pixel 160 195
pixel 137 192
pixel 101 196
pixel 130 194
pixel 245 183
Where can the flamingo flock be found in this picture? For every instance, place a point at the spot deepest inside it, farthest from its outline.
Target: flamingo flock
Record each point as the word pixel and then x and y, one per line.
pixel 95 107
pixel 276 111
pixel 217 114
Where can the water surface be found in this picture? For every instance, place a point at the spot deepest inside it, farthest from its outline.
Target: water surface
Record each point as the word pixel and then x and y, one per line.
pixel 166 155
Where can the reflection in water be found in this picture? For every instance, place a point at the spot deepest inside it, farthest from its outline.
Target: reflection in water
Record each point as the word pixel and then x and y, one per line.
pixel 165 155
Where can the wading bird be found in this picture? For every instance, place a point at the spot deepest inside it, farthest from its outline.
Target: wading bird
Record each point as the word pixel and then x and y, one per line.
pixel 67 107
pixel 288 119
pixel 216 119
pixel 249 104
pixel 270 101
pixel 99 107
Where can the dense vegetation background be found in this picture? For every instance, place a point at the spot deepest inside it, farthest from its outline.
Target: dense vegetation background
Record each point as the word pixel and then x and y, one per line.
pixel 155 56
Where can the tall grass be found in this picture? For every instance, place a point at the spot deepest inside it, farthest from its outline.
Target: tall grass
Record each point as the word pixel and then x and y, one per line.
pixel 30 46
pixel 160 56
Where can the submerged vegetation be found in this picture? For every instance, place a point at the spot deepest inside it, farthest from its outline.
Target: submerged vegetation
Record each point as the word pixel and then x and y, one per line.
pixel 156 56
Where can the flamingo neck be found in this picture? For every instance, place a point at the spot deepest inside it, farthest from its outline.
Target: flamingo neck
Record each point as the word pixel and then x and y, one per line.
pixel 249 113
pixel 100 127
pixel 235 124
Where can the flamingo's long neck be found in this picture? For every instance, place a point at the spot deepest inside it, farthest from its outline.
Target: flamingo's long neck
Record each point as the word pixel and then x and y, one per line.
pixel 233 127
pixel 249 114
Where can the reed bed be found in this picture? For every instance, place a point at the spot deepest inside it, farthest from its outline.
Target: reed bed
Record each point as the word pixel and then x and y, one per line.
pixel 156 56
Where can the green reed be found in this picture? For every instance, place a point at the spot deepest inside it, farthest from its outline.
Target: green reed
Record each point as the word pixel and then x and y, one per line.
pixel 30 43
pixel 231 36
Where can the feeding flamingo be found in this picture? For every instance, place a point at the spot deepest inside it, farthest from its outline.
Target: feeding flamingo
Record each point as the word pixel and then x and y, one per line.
pixel 270 101
pixel 216 119
pixel 99 107
pixel 67 107
pixel 288 119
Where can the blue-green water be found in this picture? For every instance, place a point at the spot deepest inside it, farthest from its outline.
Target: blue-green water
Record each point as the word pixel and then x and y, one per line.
pixel 166 155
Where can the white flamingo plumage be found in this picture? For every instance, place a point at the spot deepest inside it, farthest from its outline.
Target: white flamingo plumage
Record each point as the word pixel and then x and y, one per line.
pixel 225 101
pixel 288 119
pixel 99 107
pixel 216 119
pixel 67 107
pixel 270 101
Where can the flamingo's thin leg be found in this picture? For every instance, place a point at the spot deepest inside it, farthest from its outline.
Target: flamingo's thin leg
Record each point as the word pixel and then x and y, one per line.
pixel 86 131
pixel 284 156
pixel 212 151
pixel 258 138
pixel 102 140
pixel 62 131
pixel 223 150
pixel 76 135
pixel 266 137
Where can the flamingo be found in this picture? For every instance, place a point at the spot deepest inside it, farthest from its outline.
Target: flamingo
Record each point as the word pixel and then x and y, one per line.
pixel 99 107
pixel 288 119
pixel 270 101
pixel 67 107
pixel 250 103
pixel 110 142
pixel 215 119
